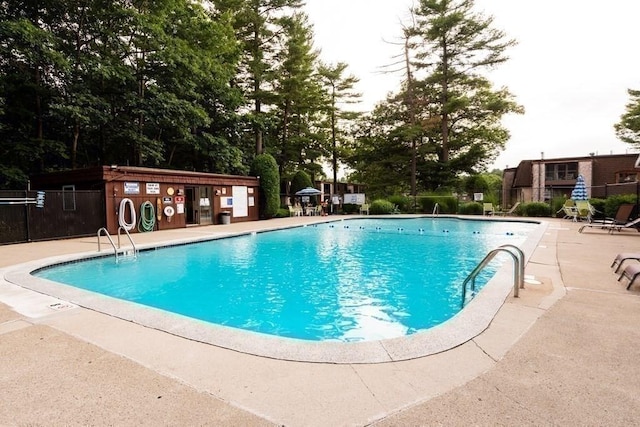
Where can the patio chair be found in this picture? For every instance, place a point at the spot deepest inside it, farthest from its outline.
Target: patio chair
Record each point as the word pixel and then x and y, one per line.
pixel 585 210
pixel 569 209
pixel 509 212
pixel 621 220
pixel 487 209
pixel 622 257
pixel 631 272
pixel 364 209
pixel 294 211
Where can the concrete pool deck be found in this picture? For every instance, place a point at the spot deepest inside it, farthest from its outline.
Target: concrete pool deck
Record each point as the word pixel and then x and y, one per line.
pixel 566 352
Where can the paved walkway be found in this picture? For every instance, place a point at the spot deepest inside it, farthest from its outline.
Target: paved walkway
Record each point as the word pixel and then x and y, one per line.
pixel 565 353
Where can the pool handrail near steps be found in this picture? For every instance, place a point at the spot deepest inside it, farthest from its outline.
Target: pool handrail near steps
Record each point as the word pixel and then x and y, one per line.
pixel 518 270
pixel 117 250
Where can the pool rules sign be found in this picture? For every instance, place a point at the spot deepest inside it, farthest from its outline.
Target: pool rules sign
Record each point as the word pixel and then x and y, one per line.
pixel 179 204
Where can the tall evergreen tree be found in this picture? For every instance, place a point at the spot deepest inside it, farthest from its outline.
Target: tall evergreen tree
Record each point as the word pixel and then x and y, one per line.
pixel 378 154
pixel 259 27
pixel 341 92
pixel 298 98
pixel 628 128
pixel 453 47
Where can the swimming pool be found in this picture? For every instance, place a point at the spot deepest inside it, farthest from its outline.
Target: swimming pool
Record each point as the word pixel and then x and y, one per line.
pixel 464 326
pixel 354 280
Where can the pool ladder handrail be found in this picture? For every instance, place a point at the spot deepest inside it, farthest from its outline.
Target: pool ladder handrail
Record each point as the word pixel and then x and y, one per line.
pixel 436 209
pixel 117 250
pixel 518 270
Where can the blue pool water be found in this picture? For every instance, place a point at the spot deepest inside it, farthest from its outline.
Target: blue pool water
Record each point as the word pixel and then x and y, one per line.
pixel 353 280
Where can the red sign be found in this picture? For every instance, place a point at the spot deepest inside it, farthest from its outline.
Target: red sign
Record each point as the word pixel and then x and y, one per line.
pixel 179 199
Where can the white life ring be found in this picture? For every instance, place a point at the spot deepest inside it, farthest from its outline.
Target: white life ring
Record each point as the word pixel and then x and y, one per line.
pixel 124 203
pixel 169 211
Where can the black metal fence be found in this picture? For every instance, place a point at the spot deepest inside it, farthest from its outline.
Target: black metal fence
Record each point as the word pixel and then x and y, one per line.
pixel 65 214
pixel 551 192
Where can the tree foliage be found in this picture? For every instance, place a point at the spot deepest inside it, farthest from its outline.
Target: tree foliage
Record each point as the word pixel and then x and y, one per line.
pixel 207 86
pixel 449 115
pixel 265 167
pixel 261 30
pixel 628 128
pixel 340 90
pixel 300 181
pixel 138 83
pixel 298 98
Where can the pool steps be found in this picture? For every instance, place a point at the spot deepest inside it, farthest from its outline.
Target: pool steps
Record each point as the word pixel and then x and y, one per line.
pixel 518 270
pixel 131 253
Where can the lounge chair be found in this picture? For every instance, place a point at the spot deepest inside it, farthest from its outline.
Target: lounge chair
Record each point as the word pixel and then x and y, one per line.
pixel 622 257
pixel 569 209
pixel 631 272
pixel 487 209
pixel 509 212
pixel 621 220
pixel 364 209
pixel 585 210
pixel 612 227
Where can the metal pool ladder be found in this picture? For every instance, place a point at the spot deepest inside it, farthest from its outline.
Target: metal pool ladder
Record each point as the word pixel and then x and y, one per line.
pixel 118 251
pixel 436 209
pixel 518 270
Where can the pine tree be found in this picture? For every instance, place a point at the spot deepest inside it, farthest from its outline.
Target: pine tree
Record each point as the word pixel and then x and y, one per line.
pixel 628 128
pixel 453 47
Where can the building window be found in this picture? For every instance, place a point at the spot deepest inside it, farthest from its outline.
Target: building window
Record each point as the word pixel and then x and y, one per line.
pixel 561 171
pixel 68 197
pixel 623 177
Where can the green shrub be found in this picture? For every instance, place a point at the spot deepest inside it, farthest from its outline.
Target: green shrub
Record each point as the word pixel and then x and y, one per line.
pixel 613 202
pixel 404 203
pixel 300 180
pixel 265 167
pixel 471 208
pixel 519 210
pixel 556 206
pixel 536 209
pixel 282 213
pixel 446 204
pixel 381 207
pixel 349 208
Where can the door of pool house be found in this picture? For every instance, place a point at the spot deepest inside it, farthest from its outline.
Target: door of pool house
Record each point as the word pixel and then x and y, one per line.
pixel 198 206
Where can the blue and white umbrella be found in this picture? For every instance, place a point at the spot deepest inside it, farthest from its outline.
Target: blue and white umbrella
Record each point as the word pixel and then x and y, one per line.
pixel 580 190
pixel 309 191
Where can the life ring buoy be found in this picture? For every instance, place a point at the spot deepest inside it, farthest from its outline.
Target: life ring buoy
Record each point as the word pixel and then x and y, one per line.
pixel 169 211
pixel 124 203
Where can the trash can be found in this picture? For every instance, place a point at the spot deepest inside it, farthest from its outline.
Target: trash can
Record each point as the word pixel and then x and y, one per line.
pixel 225 217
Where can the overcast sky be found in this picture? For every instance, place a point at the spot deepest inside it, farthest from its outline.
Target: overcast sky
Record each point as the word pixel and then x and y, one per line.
pixel 571 69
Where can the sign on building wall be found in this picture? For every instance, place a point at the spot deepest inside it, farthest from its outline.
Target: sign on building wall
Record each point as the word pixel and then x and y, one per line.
pixel 131 188
pixel 153 188
pixel 354 199
pixel 240 208
pixel 226 202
